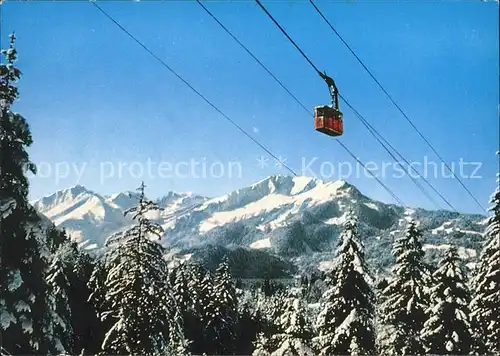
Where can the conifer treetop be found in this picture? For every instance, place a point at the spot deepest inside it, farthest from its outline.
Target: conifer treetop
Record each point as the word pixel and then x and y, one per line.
pixel 15 134
pixel 410 240
pixel 345 323
pixel 448 328
pixel 9 74
pixel 449 269
pixel 30 313
pixel 484 306
pixel 351 250
pixel 493 229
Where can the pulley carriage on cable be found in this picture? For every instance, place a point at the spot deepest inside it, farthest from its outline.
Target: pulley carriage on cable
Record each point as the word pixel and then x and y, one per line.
pixel 328 118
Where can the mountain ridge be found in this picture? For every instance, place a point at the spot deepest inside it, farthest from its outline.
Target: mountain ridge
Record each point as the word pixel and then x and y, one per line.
pixel 295 218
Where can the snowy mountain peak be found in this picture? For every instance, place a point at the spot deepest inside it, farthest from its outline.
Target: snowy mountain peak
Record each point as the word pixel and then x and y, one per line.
pixel 275 201
pixel 60 197
pixel 173 196
pixel 273 187
pixel 303 212
pixel 86 215
pixel 293 185
pixel 173 201
pixel 124 200
pixel 126 194
pixel 76 189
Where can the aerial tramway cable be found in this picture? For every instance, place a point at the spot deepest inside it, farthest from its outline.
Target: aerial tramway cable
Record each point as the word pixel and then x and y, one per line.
pixel 225 116
pixel 289 92
pixel 398 107
pixel 370 128
pixel 235 124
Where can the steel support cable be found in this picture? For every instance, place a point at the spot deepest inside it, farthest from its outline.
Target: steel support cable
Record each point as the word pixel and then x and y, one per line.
pixel 251 54
pixel 287 36
pixel 289 92
pixel 373 175
pixel 397 106
pixel 401 157
pixel 226 117
pixel 370 128
pixel 293 96
pixel 193 88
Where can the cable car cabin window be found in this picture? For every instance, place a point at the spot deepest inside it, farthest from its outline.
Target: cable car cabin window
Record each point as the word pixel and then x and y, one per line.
pixel 320 111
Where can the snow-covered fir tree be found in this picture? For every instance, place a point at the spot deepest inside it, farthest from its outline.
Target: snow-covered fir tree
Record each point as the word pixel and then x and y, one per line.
pixel 296 332
pixel 271 308
pixel 97 298
pixel 485 310
pixel 346 321
pixel 25 311
pixel 406 297
pixel 138 300
pixel 208 304
pixel 192 289
pixel 180 276
pixel 215 308
pixel 262 345
pixel 225 305
pixel 199 285
pixel 59 284
pixel 251 322
pixel 87 328
pixel 210 314
pixel 96 283
pixel 268 309
pixel 225 290
pixel 447 331
pixel 74 321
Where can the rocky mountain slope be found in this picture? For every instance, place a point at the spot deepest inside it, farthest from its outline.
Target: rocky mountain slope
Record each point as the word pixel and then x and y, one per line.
pixel 281 223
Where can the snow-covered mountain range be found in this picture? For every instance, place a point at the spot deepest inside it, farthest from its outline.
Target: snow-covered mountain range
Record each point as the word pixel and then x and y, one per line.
pixel 90 218
pixel 289 218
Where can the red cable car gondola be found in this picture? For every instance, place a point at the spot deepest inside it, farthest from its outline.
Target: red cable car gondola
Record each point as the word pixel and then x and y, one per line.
pixel 328 119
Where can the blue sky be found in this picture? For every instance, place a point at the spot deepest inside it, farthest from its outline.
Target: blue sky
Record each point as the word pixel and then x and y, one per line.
pixel 95 99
